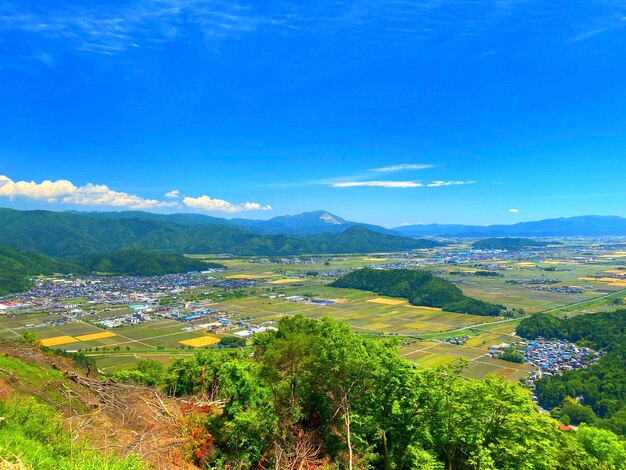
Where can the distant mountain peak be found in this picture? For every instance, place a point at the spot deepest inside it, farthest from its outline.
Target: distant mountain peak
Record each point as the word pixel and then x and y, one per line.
pixel 329 218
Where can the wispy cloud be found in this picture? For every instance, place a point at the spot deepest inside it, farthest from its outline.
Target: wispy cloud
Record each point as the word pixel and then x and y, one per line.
pixel 111 28
pixel 609 25
pixel 514 211
pixel 397 184
pixel 402 167
pixel 96 195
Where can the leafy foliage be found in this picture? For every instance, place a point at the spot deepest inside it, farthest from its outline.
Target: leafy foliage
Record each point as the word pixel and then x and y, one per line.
pixel 419 287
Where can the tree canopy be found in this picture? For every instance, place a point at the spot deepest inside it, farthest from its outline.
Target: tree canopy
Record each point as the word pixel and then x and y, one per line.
pixel 315 394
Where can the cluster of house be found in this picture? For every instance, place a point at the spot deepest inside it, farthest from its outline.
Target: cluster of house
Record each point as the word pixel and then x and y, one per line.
pixel 234 284
pixel 534 282
pixel 293 260
pixel 553 356
pixel 111 290
pixel 136 318
pixel 310 300
pixel 55 322
pixel 457 340
pixel 560 289
pixel 550 356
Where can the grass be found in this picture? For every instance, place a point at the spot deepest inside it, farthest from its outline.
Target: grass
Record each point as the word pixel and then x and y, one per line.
pixel 33 435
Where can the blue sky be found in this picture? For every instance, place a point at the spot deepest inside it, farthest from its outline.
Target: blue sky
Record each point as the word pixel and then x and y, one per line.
pixel 386 112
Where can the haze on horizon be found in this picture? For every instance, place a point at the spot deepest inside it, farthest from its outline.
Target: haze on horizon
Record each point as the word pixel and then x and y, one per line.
pixel 381 112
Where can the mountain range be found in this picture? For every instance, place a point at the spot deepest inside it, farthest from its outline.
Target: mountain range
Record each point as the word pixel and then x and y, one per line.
pixel 315 222
pixel 307 223
pixel 76 235
pixel 580 226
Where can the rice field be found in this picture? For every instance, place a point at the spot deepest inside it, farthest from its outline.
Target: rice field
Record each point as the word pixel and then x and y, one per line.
pixel 58 340
pixel 285 281
pixel 200 341
pixel 94 336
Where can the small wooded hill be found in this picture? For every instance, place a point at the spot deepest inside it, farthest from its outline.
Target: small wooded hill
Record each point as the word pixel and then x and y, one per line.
pixel 419 287
pixel 67 235
pixel 601 386
pixel 509 244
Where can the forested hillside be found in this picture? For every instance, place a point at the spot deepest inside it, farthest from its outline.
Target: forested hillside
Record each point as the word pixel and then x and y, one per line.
pixel 419 287
pixel 316 395
pixel 140 263
pixel 73 235
pixel 601 388
pixel 16 266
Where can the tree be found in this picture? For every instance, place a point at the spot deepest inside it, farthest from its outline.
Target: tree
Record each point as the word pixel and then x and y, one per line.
pixel 31 338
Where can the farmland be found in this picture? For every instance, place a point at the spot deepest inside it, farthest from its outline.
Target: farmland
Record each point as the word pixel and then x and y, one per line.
pixel 575 278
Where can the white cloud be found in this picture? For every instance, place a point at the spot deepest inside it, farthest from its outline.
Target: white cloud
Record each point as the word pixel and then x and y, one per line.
pixel 403 167
pixel 66 192
pixel 46 190
pixel 174 194
pixel 397 184
pixel 101 195
pixel 207 204
pixel 514 211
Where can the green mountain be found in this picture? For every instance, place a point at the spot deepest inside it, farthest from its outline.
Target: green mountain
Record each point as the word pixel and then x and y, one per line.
pixel 139 263
pixel 74 235
pixel 419 287
pixel 307 223
pixel 509 244
pixel 17 266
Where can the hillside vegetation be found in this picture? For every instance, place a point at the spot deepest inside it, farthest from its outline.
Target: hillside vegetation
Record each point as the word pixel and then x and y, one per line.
pixel 145 263
pixel 601 388
pixel 72 235
pixel 16 266
pixel 419 287
pixel 54 417
pixel 316 395
pixel 509 244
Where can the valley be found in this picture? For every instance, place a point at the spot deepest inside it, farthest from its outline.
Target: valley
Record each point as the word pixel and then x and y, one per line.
pixel 129 319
